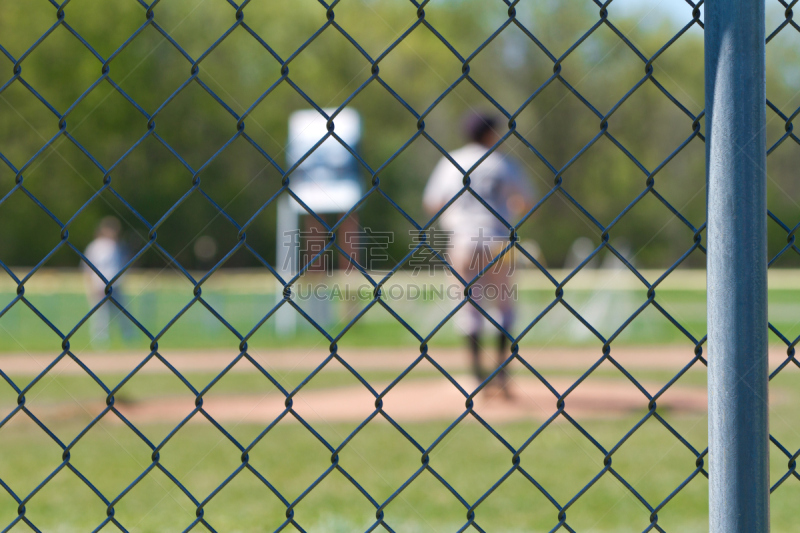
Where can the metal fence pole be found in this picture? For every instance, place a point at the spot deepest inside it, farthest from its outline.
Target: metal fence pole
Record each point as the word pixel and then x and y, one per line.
pixel 737 266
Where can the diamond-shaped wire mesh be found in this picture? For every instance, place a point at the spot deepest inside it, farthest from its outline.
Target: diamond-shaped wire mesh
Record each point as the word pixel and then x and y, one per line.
pixel 782 143
pixel 169 120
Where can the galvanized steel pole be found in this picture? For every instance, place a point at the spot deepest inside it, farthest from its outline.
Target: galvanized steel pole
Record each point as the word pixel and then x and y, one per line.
pixel 737 266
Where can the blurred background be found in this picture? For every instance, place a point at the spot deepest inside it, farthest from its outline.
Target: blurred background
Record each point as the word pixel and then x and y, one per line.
pixel 419 69
pixel 237 178
pixel 197 348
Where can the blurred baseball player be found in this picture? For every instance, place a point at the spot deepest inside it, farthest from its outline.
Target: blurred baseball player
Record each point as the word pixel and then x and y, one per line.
pixel 107 255
pixel 476 235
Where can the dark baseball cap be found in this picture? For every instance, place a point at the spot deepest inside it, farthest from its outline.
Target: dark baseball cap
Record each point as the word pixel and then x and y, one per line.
pixel 476 125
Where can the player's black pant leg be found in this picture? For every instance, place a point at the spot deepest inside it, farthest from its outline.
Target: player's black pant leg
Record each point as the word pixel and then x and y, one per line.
pixel 473 341
pixel 502 354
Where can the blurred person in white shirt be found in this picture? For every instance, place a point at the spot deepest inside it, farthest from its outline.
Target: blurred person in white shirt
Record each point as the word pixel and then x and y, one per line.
pixel 477 236
pixel 107 255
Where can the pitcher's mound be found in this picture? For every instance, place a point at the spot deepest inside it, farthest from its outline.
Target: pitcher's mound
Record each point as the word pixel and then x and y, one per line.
pixel 425 400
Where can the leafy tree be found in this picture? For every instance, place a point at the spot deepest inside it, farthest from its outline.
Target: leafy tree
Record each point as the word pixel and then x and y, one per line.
pixel 151 163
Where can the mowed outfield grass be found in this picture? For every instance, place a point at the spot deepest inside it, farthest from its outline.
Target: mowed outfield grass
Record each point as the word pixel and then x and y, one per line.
pixel 606 299
pixel 381 459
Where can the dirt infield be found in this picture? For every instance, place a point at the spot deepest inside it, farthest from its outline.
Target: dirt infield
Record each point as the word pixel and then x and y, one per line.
pixel 423 400
pixel 418 400
pixel 413 399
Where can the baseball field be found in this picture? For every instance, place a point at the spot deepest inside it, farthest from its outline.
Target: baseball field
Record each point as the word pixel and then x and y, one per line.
pixel 423 461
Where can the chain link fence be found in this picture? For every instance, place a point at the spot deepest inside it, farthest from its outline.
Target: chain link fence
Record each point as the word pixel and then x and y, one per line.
pixel 778 252
pixel 560 510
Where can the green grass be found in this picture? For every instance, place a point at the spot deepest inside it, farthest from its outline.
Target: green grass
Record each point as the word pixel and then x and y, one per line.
pixel 244 298
pixel 22 330
pixel 380 458
pixel 604 298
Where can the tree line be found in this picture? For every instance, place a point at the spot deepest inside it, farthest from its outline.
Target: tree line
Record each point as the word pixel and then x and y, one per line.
pixel 149 161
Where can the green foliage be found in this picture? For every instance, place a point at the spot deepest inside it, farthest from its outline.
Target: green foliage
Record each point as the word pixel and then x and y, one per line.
pixel 330 70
